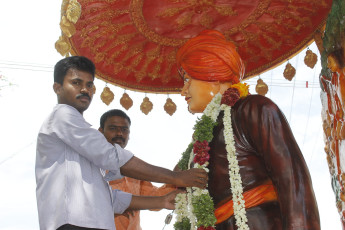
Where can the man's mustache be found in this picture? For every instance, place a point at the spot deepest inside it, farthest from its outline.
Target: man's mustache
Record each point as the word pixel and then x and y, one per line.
pixel 83 95
pixel 118 138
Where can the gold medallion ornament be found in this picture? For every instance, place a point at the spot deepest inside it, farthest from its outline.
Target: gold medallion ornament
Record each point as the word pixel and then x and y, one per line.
pixel 63 46
pixel 261 87
pixel 170 106
pixel 67 27
pixel 70 13
pixel 289 72
pixel 107 96
pixel 73 11
pixel 310 59
pixel 126 101
pixel 146 106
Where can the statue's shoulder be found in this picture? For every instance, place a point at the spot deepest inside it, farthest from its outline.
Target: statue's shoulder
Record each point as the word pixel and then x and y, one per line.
pixel 256 103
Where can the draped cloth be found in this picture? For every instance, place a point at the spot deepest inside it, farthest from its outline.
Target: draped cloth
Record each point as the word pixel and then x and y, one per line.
pixel 266 151
pixel 254 197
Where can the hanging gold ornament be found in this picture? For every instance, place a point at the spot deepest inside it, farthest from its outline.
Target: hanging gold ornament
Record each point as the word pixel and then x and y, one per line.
pixel 107 96
pixel 310 59
pixel 170 106
pixel 73 11
pixel 126 101
pixel 261 87
pixel 67 27
pixel 63 46
pixel 146 106
pixel 289 72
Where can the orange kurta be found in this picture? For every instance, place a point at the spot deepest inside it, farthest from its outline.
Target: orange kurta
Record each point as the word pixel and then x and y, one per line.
pixel 136 187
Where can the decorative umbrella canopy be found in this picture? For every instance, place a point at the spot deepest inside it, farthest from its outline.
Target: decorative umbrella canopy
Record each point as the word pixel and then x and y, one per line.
pixel 134 43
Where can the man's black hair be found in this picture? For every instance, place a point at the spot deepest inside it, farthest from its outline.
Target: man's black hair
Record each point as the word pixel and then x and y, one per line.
pixel 74 62
pixel 112 113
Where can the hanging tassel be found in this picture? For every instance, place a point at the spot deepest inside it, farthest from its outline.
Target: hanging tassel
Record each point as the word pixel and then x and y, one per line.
pixel 63 46
pixel 126 101
pixel 73 11
pixel 289 72
pixel 310 59
pixel 146 106
pixel 169 106
pixel 107 96
pixel 261 87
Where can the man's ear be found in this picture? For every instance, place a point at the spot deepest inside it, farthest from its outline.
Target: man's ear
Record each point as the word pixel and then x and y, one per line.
pixel 94 89
pixel 101 130
pixel 57 88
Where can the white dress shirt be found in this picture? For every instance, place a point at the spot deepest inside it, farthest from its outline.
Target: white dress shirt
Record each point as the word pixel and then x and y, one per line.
pixel 70 164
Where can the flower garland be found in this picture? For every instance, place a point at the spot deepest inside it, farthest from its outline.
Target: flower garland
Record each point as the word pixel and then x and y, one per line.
pixel 196 209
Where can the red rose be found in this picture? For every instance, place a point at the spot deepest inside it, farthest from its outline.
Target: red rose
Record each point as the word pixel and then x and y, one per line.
pixel 200 150
pixel 206 228
pixel 230 96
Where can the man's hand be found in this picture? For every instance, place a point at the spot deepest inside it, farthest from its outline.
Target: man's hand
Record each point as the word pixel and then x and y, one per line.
pixel 141 170
pixel 169 199
pixel 153 202
pixel 192 178
pixel 126 214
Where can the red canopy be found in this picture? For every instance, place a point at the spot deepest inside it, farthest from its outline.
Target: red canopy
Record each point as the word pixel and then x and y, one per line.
pixel 134 43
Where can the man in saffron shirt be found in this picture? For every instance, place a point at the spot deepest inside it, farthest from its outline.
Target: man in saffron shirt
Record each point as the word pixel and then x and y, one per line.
pixel 115 126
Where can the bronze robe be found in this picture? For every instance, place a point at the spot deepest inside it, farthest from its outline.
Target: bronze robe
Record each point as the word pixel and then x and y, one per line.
pixel 266 151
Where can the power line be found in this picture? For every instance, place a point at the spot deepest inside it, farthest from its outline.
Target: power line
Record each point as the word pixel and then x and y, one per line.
pixel 16 153
pixel 311 98
pixel 293 91
pixel 25 66
pixel 316 140
pixel 39 70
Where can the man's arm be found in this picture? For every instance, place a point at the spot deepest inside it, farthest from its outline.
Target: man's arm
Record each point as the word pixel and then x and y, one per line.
pixel 154 202
pixel 139 169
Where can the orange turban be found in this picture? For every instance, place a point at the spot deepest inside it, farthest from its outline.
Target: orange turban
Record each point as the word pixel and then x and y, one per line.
pixel 210 57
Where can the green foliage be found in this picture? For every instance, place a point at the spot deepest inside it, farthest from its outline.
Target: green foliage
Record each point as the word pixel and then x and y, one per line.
pixel 204 129
pixel 203 210
pixel 335 27
pixel 336 187
pixel 334 34
pixel 184 225
pixel 183 162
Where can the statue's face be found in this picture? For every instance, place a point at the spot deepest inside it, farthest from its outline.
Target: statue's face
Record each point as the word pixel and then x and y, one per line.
pixel 198 94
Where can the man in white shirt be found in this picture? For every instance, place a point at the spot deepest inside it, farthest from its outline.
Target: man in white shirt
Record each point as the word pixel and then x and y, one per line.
pixel 72 189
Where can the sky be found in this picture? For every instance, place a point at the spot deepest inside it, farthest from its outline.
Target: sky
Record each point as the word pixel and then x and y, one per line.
pixel 28 31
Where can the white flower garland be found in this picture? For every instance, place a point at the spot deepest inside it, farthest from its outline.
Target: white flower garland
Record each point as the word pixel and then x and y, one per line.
pixel 234 172
pixel 212 110
pixel 181 203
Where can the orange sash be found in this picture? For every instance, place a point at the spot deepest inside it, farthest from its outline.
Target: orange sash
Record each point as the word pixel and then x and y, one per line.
pixel 254 197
